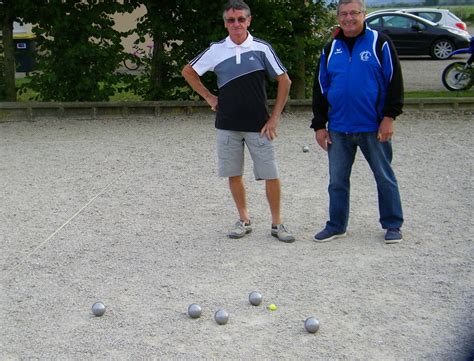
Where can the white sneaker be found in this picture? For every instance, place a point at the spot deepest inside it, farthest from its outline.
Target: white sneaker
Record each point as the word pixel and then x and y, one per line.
pixel 240 229
pixel 282 233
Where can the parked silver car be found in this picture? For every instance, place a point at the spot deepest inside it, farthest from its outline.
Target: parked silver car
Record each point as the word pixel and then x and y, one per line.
pixel 439 16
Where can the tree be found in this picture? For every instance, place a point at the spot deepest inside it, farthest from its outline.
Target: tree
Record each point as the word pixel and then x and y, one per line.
pixel 79 49
pixel 179 29
pixel 297 29
pixel 8 9
pixel 79 52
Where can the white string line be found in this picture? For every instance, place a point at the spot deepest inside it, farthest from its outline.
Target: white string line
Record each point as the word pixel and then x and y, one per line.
pixel 59 229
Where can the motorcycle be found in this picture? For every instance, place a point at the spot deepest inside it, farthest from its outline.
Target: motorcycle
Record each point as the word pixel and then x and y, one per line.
pixel 460 75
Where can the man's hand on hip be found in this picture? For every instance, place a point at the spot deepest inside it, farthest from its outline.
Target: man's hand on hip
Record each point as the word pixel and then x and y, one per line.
pixel 211 99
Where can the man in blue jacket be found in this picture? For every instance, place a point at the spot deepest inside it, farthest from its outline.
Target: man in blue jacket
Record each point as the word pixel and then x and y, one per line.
pixel 357 93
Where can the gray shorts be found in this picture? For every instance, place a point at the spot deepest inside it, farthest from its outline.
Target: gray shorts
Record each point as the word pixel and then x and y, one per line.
pixel 230 154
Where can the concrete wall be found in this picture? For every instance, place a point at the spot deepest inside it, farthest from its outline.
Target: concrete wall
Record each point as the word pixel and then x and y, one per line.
pixel 15 111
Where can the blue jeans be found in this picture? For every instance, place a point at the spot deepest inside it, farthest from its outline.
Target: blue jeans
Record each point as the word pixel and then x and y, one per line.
pixel 341 155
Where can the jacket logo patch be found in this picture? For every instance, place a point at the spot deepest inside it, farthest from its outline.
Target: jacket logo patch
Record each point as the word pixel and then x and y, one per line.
pixel 338 51
pixel 251 58
pixel 365 55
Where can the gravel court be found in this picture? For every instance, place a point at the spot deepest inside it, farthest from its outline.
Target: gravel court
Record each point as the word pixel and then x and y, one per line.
pixel 151 240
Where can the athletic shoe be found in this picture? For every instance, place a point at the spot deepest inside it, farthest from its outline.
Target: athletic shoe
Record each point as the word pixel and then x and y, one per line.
pixel 393 235
pixel 326 236
pixel 282 233
pixel 240 229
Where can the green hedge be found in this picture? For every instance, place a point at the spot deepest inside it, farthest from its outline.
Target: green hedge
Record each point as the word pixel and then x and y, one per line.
pixel 465 13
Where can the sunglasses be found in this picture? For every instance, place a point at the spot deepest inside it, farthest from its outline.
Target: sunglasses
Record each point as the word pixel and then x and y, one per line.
pixel 240 19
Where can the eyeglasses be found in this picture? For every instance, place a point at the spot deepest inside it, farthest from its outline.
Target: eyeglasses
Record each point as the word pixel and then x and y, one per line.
pixel 352 14
pixel 240 19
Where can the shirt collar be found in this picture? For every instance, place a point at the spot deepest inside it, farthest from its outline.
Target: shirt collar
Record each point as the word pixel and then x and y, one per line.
pixel 246 44
pixel 339 34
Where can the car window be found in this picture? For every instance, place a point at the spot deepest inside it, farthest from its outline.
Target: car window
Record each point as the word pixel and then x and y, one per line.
pixel 394 21
pixel 452 16
pixel 429 15
pixel 375 22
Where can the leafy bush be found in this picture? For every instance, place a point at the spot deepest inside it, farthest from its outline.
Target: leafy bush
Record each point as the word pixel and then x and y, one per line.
pixel 78 51
pixel 465 13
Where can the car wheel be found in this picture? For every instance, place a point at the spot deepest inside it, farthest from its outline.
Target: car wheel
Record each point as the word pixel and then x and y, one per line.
pixel 441 49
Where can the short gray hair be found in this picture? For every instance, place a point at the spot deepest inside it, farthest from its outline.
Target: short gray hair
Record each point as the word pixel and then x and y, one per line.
pixel 360 2
pixel 236 5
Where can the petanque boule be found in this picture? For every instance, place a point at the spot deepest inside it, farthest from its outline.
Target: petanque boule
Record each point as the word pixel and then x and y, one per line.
pixel 98 309
pixel 311 325
pixel 305 149
pixel 221 317
pixel 194 310
pixel 255 298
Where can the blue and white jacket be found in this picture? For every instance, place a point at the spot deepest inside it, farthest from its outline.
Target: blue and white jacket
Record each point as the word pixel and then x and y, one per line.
pixel 358 81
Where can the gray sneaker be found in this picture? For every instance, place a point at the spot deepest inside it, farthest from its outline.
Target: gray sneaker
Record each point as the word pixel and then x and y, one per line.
pixel 240 229
pixel 282 233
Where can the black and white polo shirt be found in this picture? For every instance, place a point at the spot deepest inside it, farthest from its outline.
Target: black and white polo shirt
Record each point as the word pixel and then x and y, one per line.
pixel 240 71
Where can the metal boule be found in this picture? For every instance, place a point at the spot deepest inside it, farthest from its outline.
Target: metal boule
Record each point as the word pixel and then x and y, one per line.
pixel 98 309
pixel 311 325
pixel 255 298
pixel 194 310
pixel 221 317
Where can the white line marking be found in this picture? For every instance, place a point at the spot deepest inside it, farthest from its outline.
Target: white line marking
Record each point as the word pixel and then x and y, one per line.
pixel 59 229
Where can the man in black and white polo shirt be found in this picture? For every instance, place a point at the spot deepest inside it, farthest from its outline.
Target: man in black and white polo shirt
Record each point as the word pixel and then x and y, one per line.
pixel 241 63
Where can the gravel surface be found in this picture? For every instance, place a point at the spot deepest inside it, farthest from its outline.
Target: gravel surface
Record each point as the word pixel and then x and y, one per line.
pixel 132 213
